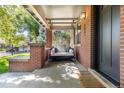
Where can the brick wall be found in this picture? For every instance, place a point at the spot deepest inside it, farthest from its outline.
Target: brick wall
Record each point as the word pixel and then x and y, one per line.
pixel 85 48
pixel 46 54
pixel 36 60
pixel 122 45
pixel 49 39
pixel 78 53
pixel 37 55
pixel 21 66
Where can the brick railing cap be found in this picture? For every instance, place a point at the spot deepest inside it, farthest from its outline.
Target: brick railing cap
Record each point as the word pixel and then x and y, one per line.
pixel 47 48
pixel 18 60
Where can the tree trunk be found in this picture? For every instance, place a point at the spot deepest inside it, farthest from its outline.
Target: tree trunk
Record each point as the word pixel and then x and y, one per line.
pixel 12 50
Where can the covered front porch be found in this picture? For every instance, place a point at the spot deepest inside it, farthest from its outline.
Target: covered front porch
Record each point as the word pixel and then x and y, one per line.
pixel 62 74
pixel 86 60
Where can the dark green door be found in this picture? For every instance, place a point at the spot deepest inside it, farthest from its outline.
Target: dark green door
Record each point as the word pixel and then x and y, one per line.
pixel 109 62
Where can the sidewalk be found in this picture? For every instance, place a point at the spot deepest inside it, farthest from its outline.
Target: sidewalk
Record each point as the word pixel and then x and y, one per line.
pixel 4 54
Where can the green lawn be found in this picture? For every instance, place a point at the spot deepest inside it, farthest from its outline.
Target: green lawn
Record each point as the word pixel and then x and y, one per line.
pixel 2 49
pixel 4 64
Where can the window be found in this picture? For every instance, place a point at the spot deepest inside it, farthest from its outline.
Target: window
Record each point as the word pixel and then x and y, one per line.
pixel 78 34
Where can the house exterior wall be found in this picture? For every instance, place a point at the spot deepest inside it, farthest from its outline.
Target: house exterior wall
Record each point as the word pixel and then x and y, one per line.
pixel 122 46
pixel 84 50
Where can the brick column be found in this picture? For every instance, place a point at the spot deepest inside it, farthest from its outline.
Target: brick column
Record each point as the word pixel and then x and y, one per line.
pixel 121 46
pixel 49 39
pixel 36 55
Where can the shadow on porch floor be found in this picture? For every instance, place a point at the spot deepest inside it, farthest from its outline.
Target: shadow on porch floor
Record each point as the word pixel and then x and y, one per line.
pixel 63 74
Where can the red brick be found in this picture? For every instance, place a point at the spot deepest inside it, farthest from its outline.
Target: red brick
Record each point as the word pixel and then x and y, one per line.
pixel 121 46
pixel 84 50
pixel 36 60
pixel 49 39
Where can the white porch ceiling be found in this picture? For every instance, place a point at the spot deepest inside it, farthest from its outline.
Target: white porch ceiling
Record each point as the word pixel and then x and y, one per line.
pixel 62 11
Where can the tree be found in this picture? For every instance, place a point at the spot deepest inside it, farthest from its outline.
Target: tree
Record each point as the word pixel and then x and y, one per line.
pixel 32 26
pixel 14 20
pixel 61 38
pixel 9 26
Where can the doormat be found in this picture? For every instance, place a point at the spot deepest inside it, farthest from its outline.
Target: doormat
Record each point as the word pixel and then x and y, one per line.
pixel 87 80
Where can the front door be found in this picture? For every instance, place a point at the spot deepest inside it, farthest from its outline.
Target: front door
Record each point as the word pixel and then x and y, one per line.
pixel 109 62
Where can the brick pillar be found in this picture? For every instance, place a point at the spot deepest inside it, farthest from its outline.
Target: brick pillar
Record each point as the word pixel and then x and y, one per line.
pixel 121 46
pixel 36 55
pixel 85 50
pixel 49 39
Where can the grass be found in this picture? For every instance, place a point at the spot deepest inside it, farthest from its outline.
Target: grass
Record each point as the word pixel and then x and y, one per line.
pixel 4 64
pixel 2 49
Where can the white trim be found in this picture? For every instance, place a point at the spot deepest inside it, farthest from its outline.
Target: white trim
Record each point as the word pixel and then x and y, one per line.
pixel 39 16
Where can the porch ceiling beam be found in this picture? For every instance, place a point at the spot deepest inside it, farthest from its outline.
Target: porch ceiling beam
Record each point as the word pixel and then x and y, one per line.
pixel 38 11
pixel 61 27
pixel 61 22
pixel 61 18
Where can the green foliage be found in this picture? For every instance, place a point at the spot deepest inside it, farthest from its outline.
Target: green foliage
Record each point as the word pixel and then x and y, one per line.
pixel 61 37
pixel 9 25
pixel 4 64
pixel 41 37
pixel 13 20
pixel 32 26
pixel 2 49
